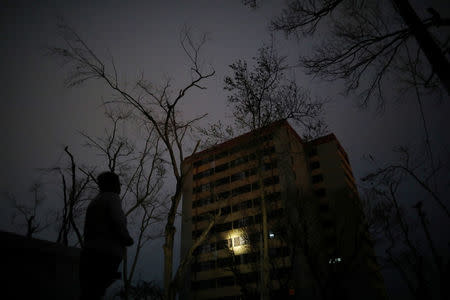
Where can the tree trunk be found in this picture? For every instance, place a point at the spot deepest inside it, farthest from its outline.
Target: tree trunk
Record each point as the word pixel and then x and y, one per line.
pixel 432 51
pixel 168 260
pixel 30 227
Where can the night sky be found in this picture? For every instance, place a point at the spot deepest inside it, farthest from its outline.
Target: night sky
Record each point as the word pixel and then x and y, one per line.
pixel 39 116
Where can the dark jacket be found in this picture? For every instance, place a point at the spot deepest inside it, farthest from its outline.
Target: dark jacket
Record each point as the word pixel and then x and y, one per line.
pixel 105 227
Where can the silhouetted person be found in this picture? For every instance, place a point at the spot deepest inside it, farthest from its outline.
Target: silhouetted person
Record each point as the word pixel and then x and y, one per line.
pixel 105 238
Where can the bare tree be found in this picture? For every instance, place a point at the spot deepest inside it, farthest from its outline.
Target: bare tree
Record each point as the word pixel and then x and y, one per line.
pixel 157 106
pixel 30 211
pixel 75 191
pixel 262 94
pixel 404 226
pixel 366 42
pixel 142 172
pixel 300 245
pixel 413 168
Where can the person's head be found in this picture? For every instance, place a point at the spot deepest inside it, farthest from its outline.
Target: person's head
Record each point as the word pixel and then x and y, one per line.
pixel 108 182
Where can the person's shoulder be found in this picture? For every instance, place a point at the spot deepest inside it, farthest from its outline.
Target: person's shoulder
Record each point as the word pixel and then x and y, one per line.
pixel 108 195
pixel 106 198
pixel 109 198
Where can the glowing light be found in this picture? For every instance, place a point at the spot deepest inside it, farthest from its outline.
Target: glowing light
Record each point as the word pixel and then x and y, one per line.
pixel 335 260
pixel 238 244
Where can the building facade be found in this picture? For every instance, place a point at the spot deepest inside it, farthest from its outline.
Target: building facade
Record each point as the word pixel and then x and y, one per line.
pixel 287 221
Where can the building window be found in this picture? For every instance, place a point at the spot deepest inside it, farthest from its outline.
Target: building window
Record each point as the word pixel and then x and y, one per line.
pixel 243 222
pixel 205 265
pixel 279 252
pixel 225 281
pixel 334 260
pixel 221 168
pixel 225 210
pixel 239 241
pixel 314 165
pixel 312 152
pixel 250 257
pixel 221 155
pixel 241 190
pixel 269 166
pixel 204 284
pixel 268 151
pixel 201 202
pixel 203 188
pixel 222 227
pixel 224 262
pixel 223 195
pixel 223 244
pixel 320 193
pixel 317 178
pixel 200 162
pixel 242 205
pixel 271 180
pixel 237 176
pixel 255 186
pixel 258 219
pixel 203 174
pixel 273 197
pixel 239 161
pixel 222 181
pixel 206 248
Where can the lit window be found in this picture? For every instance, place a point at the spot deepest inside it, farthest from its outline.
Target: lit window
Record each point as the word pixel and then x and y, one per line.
pixel 334 260
pixel 271 235
pixel 239 241
pixel 314 165
pixel 317 178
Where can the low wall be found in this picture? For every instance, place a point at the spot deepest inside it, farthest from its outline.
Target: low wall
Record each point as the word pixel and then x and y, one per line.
pixel 37 269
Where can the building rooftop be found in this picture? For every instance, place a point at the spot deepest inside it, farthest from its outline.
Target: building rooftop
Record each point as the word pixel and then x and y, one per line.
pixel 281 123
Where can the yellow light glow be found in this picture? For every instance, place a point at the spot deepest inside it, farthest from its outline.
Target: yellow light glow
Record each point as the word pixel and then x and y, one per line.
pixel 238 249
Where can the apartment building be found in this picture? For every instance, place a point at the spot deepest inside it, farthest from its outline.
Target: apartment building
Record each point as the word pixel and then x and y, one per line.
pixel 301 195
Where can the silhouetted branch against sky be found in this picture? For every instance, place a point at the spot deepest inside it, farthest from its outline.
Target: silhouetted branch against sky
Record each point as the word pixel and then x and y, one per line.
pixel 262 93
pixel 141 40
pixel 141 169
pixel 416 169
pixel 29 213
pixel 365 44
pixel 403 227
pixel 158 106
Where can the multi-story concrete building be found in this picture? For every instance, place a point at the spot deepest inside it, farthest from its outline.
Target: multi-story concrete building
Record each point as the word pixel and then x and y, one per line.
pixel 302 195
